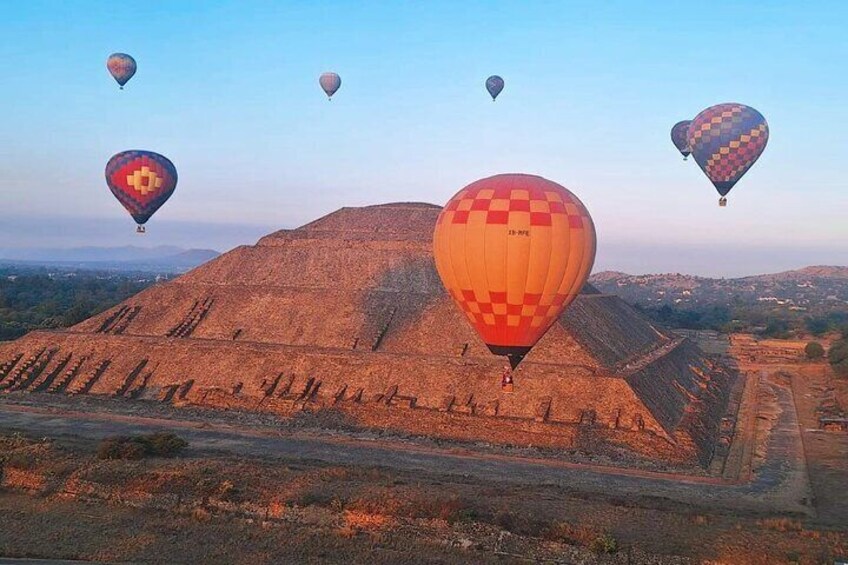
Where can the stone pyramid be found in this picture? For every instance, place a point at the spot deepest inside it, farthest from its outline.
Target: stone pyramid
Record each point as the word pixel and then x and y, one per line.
pixel 347 313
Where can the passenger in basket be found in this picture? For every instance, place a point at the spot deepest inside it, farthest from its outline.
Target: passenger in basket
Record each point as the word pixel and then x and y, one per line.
pixel 506 379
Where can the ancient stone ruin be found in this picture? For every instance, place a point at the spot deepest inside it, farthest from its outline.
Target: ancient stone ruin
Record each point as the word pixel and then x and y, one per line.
pixel 348 314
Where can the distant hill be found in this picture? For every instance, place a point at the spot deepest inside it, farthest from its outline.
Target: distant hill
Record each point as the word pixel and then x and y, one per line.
pixel 162 258
pixel 802 289
pixel 807 273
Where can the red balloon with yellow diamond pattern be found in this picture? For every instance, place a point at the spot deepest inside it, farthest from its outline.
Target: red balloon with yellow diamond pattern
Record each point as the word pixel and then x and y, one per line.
pixel 142 181
pixel 514 251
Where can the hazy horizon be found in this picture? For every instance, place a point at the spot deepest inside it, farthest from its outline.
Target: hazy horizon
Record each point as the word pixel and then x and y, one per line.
pixel 613 255
pixel 591 93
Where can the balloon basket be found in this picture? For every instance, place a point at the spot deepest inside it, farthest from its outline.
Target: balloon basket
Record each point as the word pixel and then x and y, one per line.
pixel 722 202
pixel 140 229
pixel 510 387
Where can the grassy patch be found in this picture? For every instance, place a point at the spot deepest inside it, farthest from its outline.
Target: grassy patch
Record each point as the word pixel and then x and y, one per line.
pixel 781 524
pixel 18 452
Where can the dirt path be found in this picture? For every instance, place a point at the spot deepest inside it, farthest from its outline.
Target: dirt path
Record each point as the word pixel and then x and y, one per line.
pixel 779 486
pixel 827 452
pixel 42 562
pixel 780 463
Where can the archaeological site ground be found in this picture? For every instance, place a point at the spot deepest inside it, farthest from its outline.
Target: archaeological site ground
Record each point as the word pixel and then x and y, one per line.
pixel 337 406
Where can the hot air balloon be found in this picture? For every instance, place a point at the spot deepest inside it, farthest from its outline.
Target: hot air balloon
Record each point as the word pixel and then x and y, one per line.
pixel 494 84
pixel 725 141
pixel 680 137
pixel 513 251
pixel 122 67
pixel 142 181
pixel 330 82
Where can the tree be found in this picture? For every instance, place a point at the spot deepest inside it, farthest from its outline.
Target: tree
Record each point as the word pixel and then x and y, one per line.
pixel 36 298
pixel 814 350
pixel 837 356
pixel 838 352
pixel 817 326
pixel 75 314
pixel 777 328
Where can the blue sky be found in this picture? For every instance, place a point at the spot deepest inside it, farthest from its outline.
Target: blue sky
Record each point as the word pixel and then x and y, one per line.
pixel 228 91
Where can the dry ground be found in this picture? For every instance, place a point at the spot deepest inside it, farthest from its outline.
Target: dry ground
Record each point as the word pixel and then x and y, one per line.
pixel 242 493
pixel 60 501
pixel 813 384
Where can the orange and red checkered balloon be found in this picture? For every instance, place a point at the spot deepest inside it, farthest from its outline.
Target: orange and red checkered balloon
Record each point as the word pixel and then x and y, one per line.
pixel 142 181
pixel 513 251
pixel 726 140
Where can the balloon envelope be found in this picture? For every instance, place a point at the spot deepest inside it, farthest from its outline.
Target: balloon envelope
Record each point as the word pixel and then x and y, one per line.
pixel 494 84
pixel 513 251
pixel 121 66
pixel 142 181
pixel 726 140
pixel 680 137
pixel 330 83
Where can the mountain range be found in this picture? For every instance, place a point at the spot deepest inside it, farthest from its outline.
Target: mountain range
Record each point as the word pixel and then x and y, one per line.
pixel 165 258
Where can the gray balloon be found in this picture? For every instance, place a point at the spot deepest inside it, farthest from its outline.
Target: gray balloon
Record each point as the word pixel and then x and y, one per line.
pixel 330 82
pixel 494 84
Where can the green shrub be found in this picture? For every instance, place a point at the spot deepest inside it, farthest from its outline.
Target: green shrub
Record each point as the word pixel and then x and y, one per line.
pixel 604 543
pixel 164 444
pixel 121 447
pixel 464 515
pixel 814 350
pixel 22 460
pixel 315 497
pixel 522 524
pixel 505 521
pixel 160 444
pixel 451 509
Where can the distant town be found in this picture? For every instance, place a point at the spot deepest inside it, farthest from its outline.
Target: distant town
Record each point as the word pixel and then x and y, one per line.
pixel 812 299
